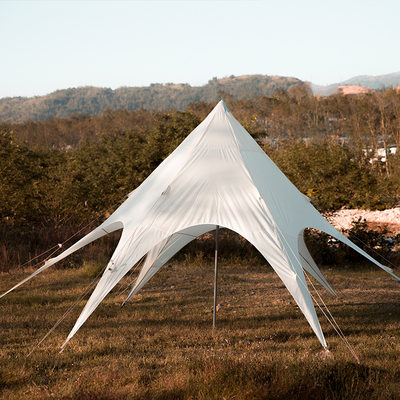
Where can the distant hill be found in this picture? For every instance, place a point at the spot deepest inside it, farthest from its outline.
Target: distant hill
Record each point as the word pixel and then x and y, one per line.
pixel 368 81
pixel 94 100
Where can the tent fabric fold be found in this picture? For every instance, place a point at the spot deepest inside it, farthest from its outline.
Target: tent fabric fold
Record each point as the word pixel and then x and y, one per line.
pixel 217 176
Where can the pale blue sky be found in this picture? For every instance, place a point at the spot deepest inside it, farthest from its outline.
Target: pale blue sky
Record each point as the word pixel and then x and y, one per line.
pixel 50 45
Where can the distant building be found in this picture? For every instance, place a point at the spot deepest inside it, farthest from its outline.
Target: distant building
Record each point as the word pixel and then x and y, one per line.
pixel 380 154
pixel 352 89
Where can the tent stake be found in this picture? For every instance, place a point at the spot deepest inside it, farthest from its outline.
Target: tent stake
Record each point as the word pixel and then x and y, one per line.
pixel 215 277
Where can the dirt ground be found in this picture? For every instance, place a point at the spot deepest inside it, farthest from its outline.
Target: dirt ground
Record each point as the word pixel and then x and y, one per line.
pixel 389 219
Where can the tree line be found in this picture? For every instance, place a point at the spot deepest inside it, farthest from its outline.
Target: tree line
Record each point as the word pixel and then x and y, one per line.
pixel 94 100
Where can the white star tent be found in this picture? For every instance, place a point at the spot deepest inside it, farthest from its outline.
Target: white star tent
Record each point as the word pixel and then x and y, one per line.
pixel 218 176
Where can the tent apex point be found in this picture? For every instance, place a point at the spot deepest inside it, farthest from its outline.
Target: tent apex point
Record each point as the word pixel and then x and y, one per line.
pixel 221 103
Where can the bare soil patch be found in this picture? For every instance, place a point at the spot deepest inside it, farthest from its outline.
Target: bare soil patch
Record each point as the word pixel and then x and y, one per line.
pixel 377 220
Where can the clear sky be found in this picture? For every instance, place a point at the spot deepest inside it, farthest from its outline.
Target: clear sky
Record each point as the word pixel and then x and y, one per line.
pixel 50 45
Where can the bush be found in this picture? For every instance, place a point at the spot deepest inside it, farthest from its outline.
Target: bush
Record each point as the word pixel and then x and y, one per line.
pixel 329 251
pixel 332 176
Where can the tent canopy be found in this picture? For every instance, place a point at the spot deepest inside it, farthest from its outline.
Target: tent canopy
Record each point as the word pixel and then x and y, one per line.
pixel 217 176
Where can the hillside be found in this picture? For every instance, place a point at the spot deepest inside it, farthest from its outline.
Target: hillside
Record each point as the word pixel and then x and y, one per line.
pixel 368 81
pixel 94 100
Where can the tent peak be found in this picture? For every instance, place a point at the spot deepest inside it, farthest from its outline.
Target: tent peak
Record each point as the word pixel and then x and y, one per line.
pixel 221 104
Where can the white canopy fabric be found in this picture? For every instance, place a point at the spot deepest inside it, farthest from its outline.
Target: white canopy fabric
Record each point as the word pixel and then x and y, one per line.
pixel 217 176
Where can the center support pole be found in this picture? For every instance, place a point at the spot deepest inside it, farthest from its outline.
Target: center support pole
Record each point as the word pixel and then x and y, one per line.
pixel 215 277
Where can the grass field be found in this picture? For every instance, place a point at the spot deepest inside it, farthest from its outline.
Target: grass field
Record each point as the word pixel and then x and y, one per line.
pixel 162 345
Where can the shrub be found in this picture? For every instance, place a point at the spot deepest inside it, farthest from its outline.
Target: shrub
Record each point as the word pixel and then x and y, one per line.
pixel 329 251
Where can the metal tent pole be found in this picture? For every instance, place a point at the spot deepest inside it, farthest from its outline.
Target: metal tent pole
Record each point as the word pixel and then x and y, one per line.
pixel 215 277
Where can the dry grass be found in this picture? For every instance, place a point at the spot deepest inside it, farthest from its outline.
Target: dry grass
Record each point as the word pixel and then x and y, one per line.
pixel 162 346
